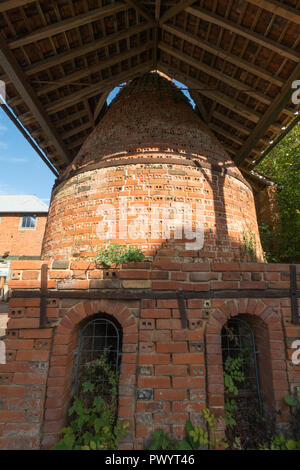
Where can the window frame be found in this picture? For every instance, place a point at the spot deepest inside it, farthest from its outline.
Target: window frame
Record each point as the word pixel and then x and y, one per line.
pixel 28 228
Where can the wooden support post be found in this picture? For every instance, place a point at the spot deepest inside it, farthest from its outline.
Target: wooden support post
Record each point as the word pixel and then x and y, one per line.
pixel 43 304
pixel 2 282
pixel 294 295
pixel 182 310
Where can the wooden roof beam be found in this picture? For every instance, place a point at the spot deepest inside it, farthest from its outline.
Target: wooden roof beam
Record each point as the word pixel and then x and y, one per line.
pixel 230 136
pixel 141 10
pixel 247 33
pixel 243 87
pixel 226 134
pixel 222 54
pixel 174 10
pixel 109 62
pixel 19 79
pixel 10 4
pixel 65 25
pixel 76 142
pixel 69 119
pixel 100 105
pixel 83 50
pixel 229 149
pixel 97 88
pixel 278 8
pixel 214 95
pixel 236 125
pixel 157 9
pixel 267 120
pixel 198 101
pixel 76 130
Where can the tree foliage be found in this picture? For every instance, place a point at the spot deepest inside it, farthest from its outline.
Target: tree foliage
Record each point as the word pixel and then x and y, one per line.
pixel 282 165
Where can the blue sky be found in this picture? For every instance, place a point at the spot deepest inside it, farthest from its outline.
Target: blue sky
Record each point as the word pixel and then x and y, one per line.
pixel 21 169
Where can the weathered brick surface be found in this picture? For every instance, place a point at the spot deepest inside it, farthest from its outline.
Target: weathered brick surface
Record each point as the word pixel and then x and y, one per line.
pixel 149 123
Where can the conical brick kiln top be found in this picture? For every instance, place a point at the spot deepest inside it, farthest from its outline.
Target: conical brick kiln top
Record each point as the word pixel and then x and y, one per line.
pixel 148 117
pixel 152 153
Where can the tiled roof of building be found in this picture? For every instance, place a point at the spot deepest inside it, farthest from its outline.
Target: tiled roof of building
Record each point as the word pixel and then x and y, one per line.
pixel 22 203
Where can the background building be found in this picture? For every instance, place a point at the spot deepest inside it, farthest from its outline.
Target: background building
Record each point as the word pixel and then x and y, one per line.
pixel 22 225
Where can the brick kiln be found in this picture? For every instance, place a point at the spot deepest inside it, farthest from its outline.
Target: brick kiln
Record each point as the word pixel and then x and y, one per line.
pixel 151 152
pixel 167 314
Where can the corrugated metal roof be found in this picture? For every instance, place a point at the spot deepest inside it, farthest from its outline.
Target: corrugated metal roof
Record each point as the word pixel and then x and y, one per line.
pixel 22 203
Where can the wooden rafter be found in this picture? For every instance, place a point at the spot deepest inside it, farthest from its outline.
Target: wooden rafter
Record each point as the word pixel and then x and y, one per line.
pixel 227 101
pixel 76 130
pixel 109 62
pixel 215 73
pixel 245 32
pixel 195 84
pixel 100 105
pixel 198 101
pixel 10 4
pixel 238 67
pixel 141 10
pixel 174 10
pixel 277 8
pixel 270 115
pixel 84 50
pixel 157 9
pixel 70 23
pixel 18 78
pixel 73 78
pixel 222 54
pixel 95 89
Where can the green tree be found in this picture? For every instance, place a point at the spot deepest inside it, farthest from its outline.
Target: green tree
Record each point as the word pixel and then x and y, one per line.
pixel 282 165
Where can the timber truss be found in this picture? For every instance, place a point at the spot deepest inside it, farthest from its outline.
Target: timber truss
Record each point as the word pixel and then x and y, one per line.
pixel 238 58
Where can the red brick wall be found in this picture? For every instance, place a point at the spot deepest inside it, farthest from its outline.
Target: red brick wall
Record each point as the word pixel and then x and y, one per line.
pixel 21 242
pixel 267 206
pixel 168 373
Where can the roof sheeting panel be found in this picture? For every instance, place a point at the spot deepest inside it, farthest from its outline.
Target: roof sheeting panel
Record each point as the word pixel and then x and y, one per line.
pixel 22 203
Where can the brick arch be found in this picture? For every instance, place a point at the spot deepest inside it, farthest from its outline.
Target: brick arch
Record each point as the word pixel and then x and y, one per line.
pixel 270 315
pixel 59 384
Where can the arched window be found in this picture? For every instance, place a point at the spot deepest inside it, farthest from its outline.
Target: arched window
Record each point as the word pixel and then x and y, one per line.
pixel 241 376
pixel 98 354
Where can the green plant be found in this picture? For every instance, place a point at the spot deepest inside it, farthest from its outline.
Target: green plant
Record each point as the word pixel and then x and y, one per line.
pixel 91 428
pixel 205 438
pixel 116 254
pixel 282 165
pixel 230 408
pixel 196 437
pixel 281 443
pixel 93 423
pixel 269 236
pixel 233 375
pixel 294 402
pixel 248 248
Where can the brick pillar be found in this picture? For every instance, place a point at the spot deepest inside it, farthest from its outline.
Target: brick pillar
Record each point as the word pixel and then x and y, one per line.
pixel 24 376
pixel 171 372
